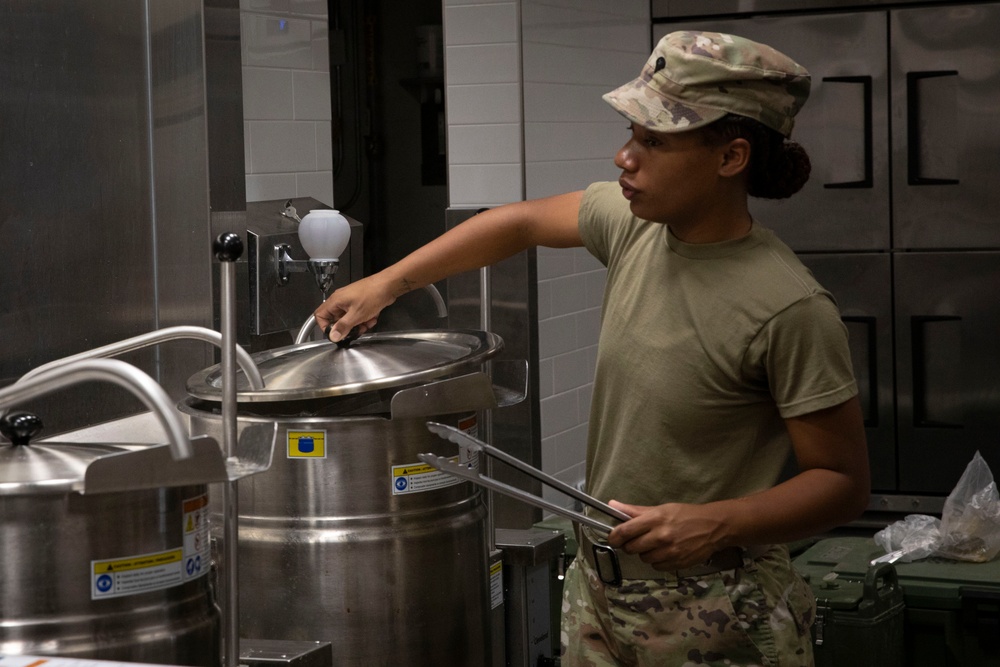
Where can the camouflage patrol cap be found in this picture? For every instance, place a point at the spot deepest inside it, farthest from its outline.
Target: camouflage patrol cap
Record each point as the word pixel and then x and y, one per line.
pixel 694 78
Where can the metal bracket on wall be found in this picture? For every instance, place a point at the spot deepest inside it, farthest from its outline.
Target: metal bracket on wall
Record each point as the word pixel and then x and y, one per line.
pixel 906 504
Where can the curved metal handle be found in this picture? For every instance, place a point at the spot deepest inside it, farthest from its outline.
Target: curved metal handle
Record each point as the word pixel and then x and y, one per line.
pixel 306 331
pixel 913 176
pixel 921 380
pixel 871 339
pixel 442 308
pixel 867 181
pixel 109 370
pixel 243 357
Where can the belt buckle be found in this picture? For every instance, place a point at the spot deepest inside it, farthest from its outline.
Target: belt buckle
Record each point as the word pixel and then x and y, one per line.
pixel 605 557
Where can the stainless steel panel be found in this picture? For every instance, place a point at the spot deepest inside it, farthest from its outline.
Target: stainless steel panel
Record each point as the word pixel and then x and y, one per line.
pixel 945 93
pixel 182 291
pixel 281 653
pixel 75 189
pixel 224 93
pixel 860 282
pixel 498 611
pixel 948 363
pixel 845 204
pixel 513 314
pixel 103 202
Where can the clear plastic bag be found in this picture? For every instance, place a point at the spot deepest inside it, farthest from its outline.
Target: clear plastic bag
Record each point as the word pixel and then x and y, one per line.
pixel 969 528
pixel 970 521
pixel 916 536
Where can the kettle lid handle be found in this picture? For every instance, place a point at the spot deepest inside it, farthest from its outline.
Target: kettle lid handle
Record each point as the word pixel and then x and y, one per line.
pixel 20 427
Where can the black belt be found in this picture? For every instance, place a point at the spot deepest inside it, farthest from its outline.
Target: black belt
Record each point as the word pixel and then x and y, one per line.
pixel 608 563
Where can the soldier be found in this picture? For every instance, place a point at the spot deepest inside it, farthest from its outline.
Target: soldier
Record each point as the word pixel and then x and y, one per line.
pixel 719 353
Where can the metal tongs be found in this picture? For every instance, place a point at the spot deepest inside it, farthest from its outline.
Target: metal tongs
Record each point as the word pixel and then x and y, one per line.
pixel 474 445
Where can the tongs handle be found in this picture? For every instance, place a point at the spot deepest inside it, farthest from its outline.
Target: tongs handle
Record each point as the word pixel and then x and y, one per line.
pixel 462 438
pixel 450 467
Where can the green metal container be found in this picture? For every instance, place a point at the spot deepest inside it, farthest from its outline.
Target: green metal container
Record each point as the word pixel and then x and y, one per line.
pixel 951 608
pixel 952 613
pixel 859 608
pixel 564 526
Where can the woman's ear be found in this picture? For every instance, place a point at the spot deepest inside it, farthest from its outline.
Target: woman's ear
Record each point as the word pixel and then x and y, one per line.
pixel 735 158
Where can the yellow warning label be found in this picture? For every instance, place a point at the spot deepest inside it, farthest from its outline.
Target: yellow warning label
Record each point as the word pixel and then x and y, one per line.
pixel 496 584
pixel 196 503
pixel 469 425
pixel 307 444
pixel 138 562
pixel 412 469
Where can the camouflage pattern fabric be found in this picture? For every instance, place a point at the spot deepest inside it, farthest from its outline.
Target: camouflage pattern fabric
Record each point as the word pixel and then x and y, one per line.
pixel 758 616
pixel 694 78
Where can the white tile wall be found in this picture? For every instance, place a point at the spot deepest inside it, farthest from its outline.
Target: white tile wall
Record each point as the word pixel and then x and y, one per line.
pixel 538 68
pixel 485 144
pixel 479 104
pixel 483 98
pixel 477 185
pixel 286 99
pixel 479 24
pixel 574 51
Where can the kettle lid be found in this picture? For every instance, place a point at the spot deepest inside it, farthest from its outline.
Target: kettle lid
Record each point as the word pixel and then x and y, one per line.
pixel 372 362
pixel 47 468
pixel 88 466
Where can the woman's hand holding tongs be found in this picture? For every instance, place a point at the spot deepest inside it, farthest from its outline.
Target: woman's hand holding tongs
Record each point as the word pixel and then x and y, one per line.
pixel 669 537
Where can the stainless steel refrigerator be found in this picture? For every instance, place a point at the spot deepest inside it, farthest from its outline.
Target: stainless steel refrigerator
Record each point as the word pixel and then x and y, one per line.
pixel 899 219
pixel 104 191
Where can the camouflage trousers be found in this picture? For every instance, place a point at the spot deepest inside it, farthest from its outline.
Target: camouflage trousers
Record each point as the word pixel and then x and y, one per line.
pixel 757 616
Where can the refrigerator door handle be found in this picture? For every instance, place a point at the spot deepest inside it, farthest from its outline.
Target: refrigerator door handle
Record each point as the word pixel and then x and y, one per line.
pixel 868 180
pixel 921 385
pixel 913 166
pixel 871 341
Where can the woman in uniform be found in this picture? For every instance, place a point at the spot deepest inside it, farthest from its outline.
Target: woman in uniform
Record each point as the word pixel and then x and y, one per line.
pixel 719 354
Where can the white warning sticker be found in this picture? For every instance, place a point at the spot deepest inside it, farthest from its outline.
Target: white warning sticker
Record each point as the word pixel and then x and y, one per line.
pixel 496 584
pixel 419 477
pixel 136 574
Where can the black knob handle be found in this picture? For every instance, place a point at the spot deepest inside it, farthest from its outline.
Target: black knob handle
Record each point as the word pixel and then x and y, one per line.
pixel 228 247
pixel 20 427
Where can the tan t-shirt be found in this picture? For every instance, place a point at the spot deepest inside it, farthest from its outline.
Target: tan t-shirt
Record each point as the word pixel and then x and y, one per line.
pixel 704 349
